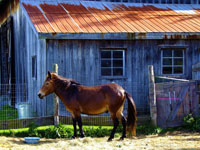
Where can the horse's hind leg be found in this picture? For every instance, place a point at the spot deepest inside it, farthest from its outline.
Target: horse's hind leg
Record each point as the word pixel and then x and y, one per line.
pixel 123 120
pixel 121 117
pixel 116 123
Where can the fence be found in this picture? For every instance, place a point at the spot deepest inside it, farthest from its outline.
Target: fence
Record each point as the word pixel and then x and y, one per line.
pixel 17 110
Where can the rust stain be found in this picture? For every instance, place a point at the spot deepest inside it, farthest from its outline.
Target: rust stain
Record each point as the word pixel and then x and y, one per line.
pixel 54 34
pixel 54 13
pixel 177 36
pixel 141 35
pixel 194 36
pixel 130 36
pixel 165 36
pixel 38 19
pixel 102 35
pixel 83 18
pixel 31 8
pixel 75 8
pixel 48 8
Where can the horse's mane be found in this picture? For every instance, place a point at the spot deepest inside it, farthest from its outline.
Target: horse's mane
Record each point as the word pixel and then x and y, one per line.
pixel 65 84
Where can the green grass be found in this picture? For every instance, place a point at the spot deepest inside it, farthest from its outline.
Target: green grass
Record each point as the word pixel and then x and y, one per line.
pixel 7 113
pixel 62 131
pixel 66 131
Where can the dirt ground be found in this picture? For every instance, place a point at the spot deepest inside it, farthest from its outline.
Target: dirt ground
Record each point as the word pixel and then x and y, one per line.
pixel 168 141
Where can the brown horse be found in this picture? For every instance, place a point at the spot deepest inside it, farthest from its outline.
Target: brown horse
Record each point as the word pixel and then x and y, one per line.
pixel 79 99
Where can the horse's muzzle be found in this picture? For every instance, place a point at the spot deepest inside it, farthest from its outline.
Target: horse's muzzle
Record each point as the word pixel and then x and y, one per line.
pixel 41 96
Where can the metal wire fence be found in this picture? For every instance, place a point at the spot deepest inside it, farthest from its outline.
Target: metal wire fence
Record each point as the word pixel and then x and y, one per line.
pixel 18 110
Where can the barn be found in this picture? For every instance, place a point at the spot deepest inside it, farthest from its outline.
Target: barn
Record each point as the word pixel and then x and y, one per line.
pixel 97 42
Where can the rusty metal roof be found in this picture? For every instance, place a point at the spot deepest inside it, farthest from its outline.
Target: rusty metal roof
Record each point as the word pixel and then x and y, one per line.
pixel 106 17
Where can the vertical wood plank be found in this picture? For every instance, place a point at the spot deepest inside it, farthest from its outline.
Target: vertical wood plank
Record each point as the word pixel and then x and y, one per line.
pixel 56 100
pixel 195 100
pixel 152 96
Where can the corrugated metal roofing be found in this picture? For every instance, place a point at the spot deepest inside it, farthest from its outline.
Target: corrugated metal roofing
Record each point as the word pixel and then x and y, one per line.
pixel 104 17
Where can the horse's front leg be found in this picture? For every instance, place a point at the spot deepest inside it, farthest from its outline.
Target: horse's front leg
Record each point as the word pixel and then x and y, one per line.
pixel 74 125
pixel 80 127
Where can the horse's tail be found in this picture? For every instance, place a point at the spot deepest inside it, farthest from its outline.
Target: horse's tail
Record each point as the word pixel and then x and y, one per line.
pixel 131 115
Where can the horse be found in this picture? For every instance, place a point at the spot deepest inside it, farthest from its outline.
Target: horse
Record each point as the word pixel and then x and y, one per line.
pixel 92 100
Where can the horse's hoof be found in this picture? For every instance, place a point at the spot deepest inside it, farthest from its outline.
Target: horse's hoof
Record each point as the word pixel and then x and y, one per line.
pixel 73 137
pixel 122 138
pixel 82 136
pixel 110 139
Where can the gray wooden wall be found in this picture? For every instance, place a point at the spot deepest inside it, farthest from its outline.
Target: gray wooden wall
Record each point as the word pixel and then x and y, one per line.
pixel 80 59
pixel 28 45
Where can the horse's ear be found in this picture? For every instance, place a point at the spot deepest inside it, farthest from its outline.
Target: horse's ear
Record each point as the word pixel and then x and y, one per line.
pixel 49 75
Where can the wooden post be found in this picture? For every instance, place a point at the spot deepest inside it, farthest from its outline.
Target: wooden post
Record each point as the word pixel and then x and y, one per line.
pixel 152 96
pixel 56 100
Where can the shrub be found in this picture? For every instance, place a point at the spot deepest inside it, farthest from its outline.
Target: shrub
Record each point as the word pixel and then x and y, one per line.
pixel 98 132
pixel 192 123
pixel 7 112
pixel 32 131
pixel 149 129
pixel 58 132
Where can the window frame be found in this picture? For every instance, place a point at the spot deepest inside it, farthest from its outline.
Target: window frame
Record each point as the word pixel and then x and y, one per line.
pixel 173 58
pixel 34 67
pixel 123 67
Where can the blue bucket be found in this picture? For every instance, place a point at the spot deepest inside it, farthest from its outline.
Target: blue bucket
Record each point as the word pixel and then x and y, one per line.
pixel 31 140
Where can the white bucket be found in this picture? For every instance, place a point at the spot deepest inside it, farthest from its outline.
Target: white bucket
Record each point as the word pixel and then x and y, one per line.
pixel 25 110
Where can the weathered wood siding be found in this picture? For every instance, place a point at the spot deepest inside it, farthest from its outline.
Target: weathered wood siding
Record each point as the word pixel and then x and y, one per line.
pixel 80 59
pixel 28 45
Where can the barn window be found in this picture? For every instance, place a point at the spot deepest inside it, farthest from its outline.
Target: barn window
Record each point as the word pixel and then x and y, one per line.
pixel 172 61
pixel 34 67
pixel 112 63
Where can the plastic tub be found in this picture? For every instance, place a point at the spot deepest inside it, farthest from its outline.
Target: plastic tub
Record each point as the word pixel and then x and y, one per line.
pixel 31 140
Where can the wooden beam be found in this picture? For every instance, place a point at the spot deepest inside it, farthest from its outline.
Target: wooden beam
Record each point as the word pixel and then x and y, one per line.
pixel 172 79
pixel 152 96
pixel 121 36
pixel 56 100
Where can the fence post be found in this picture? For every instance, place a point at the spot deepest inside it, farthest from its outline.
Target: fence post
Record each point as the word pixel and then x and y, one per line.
pixel 152 95
pixel 56 100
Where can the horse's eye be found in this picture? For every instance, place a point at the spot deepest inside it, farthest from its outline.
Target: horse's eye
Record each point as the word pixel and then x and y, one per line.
pixel 47 83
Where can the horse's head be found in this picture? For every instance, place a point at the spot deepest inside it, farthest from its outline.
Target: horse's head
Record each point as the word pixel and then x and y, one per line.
pixel 47 87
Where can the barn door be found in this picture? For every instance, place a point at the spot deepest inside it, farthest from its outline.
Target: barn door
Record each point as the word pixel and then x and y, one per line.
pixel 175 100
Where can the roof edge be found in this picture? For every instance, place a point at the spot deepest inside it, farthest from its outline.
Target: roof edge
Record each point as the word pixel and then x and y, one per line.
pixel 122 36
